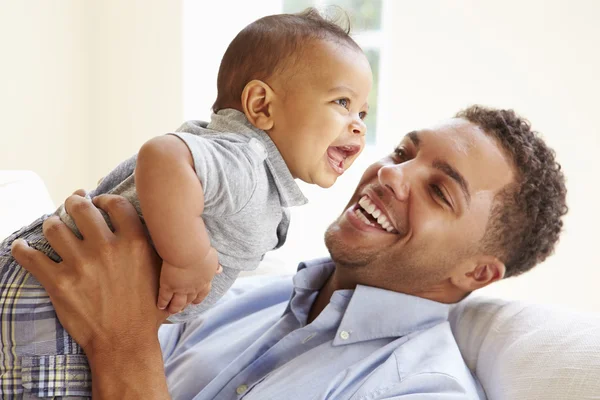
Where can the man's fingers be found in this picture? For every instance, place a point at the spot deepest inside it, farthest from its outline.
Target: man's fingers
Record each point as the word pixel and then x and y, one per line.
pixel 122 213
pixel 34 261
pixel 88 218
pixel 61 238
pixel 164 297
pixel 79 192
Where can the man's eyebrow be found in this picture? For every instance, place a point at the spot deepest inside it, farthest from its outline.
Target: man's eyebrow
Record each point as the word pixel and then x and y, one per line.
pixel 414 137
pixel 455 175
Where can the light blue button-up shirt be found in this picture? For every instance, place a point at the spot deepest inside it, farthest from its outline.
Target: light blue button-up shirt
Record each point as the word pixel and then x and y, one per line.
pixel 368 343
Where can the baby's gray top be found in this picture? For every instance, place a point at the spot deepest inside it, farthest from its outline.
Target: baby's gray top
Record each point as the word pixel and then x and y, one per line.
pixel 247 190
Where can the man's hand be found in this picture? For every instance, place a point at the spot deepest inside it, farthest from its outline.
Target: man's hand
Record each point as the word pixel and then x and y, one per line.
pixel 104 291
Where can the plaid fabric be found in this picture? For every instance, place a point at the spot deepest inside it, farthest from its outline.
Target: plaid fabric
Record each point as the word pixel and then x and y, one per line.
pixel 37 356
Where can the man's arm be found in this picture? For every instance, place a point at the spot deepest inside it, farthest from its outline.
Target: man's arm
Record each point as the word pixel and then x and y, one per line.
pixel 104 293
pixel 129 373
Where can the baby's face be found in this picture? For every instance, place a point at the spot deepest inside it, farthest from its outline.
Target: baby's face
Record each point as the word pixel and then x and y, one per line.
pixel 319 110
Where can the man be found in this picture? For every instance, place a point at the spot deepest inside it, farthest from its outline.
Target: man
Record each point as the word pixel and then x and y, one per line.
pixel 454 208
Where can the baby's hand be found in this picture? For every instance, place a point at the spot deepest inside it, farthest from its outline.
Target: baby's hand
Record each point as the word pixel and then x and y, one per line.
pixel 180 286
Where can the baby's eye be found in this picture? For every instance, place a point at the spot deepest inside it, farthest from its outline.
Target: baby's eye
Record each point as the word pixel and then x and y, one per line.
pixel 362 115
pixel 342 102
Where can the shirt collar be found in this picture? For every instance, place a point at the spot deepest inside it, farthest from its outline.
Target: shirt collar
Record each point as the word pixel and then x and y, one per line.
pixel 230 120
pixel 309 279
pixel 371 313
pixel 397 315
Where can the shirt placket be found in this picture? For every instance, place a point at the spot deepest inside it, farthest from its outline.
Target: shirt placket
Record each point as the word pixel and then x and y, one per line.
pixel 294 344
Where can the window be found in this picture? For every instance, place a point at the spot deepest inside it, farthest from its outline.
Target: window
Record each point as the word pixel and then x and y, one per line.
pixel 365 19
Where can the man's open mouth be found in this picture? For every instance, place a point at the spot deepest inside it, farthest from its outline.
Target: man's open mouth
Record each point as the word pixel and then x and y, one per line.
pixel 371 215
pixel 338 154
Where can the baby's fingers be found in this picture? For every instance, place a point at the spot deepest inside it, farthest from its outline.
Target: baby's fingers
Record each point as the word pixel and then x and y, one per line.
pixel 190 298
pixel 178 303
pixel 201 296
pixel 164 297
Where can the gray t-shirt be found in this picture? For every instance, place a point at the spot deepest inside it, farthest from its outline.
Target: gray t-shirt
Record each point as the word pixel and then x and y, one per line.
pixel 247 190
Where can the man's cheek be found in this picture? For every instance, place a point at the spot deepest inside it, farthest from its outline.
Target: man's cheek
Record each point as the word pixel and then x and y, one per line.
pixel 370 174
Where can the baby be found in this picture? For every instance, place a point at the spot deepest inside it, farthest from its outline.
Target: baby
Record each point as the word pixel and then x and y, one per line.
pixel 292 97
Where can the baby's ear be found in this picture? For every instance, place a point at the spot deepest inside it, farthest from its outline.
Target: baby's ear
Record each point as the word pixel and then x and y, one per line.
pixel 256 103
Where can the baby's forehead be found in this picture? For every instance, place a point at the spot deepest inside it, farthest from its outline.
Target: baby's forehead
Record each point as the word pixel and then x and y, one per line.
pixel 327 62
pixel 314 55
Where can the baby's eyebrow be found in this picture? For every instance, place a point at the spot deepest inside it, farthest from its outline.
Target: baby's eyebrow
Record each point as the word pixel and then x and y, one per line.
pixel 342 88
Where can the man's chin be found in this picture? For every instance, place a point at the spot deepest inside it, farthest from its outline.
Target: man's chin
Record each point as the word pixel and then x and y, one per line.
pixel 341 253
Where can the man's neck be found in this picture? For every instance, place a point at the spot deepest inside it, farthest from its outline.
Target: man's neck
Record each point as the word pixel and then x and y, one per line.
pixel 444 292
pixel 335 282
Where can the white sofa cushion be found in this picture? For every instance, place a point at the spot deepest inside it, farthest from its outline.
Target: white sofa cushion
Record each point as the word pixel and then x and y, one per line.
pixel 527 351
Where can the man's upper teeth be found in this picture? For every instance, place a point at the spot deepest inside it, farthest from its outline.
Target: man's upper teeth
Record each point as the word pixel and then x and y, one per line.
pixel 372 209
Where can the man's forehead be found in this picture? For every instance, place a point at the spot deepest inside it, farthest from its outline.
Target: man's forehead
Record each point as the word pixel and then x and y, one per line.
pixel 459 131
pixel 468 149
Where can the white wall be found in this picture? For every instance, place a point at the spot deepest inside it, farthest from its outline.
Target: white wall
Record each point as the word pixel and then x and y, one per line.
pixel 44 87
pixel 84 84
pixel 136 70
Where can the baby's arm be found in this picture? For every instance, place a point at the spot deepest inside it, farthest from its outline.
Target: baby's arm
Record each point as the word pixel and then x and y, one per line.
pixel 172 201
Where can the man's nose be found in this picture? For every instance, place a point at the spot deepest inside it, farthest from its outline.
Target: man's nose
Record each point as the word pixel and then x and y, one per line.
pixel 393 178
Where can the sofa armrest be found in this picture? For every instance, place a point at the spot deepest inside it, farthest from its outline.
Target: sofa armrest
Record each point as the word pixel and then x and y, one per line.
pixel 23 198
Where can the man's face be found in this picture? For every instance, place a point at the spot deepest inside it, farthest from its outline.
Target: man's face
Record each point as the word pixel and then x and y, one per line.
pixel 432 198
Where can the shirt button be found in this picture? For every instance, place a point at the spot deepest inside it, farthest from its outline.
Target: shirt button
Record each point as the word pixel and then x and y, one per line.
pixel 241 389
pixel 344 335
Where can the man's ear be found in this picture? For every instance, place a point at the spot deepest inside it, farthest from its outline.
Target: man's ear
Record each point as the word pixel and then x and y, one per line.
pixel 257 99
pixel 483 271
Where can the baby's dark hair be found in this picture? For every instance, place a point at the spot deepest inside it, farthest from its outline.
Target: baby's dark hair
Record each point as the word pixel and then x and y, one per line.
pixel 270 45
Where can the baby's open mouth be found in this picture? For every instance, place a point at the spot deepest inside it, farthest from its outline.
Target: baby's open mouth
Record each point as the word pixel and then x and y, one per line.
pixel 338 154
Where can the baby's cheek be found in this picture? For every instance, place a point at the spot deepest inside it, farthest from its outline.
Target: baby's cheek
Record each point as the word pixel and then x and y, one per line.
pixel 351 160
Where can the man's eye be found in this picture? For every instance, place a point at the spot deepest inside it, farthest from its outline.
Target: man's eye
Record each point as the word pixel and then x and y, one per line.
pixel 342 102
pixel 400 153
pixel 438 192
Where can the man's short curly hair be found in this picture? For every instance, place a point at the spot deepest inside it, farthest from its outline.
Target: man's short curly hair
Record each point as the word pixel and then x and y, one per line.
pixel 526 217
